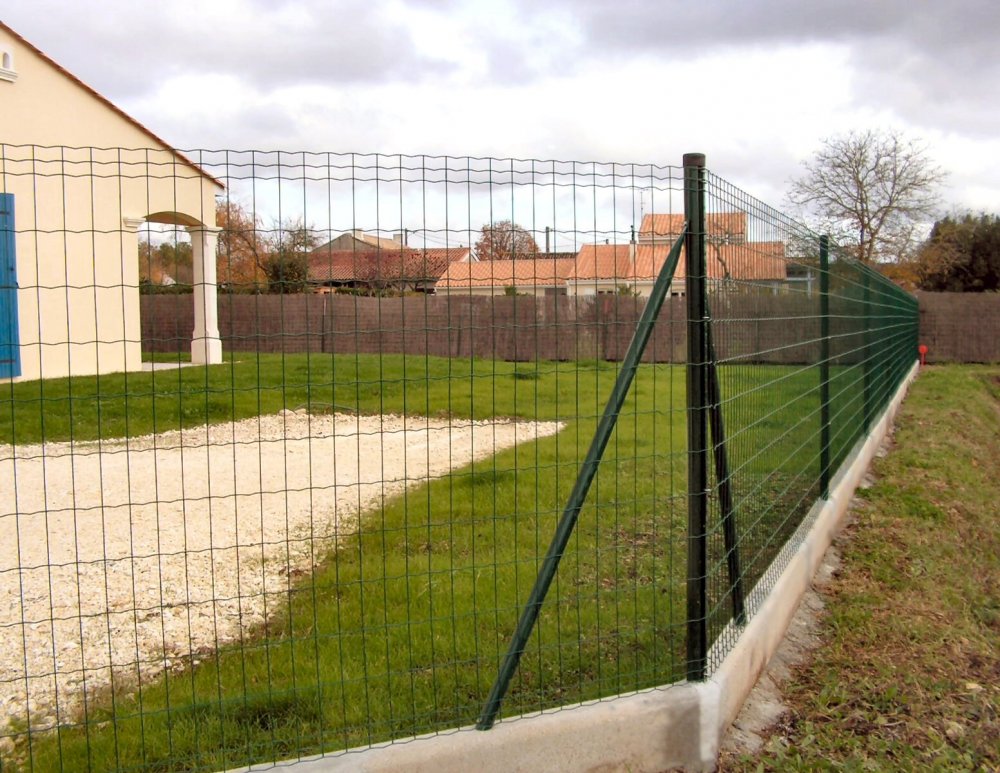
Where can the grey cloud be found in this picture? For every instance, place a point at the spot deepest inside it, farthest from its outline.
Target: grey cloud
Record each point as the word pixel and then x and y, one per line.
pixel 941 71
pixel 931 62
pixel 711 24
pixel 352 41
pixel 707 24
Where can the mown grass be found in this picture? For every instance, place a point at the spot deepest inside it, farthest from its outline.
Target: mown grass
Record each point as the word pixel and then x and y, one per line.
pixel 401 628
pixel 907 676
pixel 247 385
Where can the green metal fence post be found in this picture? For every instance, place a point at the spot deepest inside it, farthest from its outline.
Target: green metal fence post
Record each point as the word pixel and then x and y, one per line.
pixel 824 365
pixel 697 415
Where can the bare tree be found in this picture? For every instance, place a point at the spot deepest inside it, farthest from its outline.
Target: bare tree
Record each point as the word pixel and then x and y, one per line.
pixel 873 188
pixel 505 240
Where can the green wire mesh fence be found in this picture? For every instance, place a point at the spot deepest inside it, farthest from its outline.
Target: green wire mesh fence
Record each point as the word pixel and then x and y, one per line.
pixel 804 366
pixel 286 438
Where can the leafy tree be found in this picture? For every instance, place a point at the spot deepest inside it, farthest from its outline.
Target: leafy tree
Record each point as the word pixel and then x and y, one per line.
pixel 505 240
pixel 287 264
pixel 871 188
pixel 962 254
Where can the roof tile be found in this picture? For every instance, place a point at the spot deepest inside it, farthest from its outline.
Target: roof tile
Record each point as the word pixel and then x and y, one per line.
pixel 523 272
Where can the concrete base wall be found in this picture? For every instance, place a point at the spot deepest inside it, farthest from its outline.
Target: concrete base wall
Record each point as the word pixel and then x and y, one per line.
pixel 772 606
pixel 677 726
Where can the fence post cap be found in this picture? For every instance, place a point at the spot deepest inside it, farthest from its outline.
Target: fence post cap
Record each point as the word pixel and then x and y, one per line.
pixel 694 159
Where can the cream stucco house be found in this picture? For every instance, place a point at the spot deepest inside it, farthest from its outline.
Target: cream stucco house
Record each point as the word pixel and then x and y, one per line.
pixel 78 177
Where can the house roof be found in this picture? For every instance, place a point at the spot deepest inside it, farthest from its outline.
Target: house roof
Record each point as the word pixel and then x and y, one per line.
pixel 401 264
pixel 615 262
pixel 716 223
pixel 522 272
pixel 110 105
pixel 751 261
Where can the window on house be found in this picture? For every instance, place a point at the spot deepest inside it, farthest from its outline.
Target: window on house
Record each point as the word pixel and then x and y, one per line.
pixel 7 66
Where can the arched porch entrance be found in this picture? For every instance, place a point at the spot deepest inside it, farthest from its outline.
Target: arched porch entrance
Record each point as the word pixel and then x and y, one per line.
pixel 206 344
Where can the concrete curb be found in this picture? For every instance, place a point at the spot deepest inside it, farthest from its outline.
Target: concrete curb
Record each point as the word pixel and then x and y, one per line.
pixel 772 609
pixel 676 726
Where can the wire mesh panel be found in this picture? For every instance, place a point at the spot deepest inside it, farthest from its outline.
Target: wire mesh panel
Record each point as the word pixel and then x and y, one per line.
pixel 292 432
pixel 808 347
pixel 286 438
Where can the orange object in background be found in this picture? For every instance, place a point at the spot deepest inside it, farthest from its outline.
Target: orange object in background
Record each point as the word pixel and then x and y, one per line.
pixel 923 354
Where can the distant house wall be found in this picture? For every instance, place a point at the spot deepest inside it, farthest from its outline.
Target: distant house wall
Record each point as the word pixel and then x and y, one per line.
pixel 641 288
pixel 485 291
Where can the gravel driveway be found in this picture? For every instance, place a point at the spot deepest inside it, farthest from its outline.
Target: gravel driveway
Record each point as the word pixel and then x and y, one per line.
pixel 122 556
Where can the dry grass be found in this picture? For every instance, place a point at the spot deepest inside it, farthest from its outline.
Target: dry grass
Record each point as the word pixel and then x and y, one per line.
pixel 908 676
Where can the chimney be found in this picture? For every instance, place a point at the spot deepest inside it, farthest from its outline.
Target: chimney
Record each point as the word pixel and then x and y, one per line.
pixel 631 246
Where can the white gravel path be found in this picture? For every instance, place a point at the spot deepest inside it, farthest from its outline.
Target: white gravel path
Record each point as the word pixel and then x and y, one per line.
pixel 129 557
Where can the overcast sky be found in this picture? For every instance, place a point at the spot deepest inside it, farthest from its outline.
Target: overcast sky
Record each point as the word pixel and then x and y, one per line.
pixel 754 84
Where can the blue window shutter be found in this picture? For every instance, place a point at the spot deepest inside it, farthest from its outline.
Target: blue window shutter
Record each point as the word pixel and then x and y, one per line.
pixel 10 350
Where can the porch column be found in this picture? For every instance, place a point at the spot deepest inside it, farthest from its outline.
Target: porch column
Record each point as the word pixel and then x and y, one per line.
pixel 206 345
pixel 128 297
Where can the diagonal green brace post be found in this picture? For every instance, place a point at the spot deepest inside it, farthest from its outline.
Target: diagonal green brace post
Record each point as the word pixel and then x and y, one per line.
pixel 529 615
pixel 717 424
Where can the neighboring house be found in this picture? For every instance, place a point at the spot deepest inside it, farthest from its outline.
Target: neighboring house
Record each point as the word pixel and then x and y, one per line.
pixel 78 177
pixel 762 264
pixel 528 276
pixel 615 268
pixel 399 269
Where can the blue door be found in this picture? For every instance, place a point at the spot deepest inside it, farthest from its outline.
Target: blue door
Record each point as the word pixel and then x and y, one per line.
pixel 10 352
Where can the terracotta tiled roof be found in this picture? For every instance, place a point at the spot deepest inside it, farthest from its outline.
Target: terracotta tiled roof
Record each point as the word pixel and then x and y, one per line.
pixel 402 264
pixel 335 265
pixel 108 103
pixel 613 262
pixel 716 223
pixel 752 261
pixel 523 272
pixel 448 254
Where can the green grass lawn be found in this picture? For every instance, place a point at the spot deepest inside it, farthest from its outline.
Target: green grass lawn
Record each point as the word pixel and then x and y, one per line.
pixel 907 673
pixel 401 629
